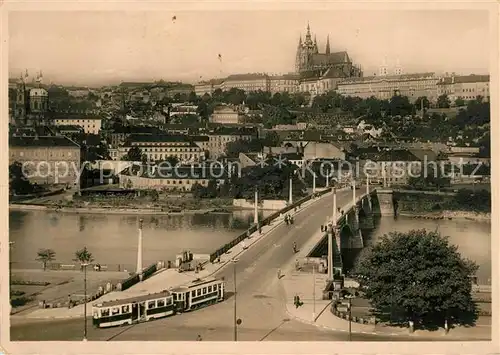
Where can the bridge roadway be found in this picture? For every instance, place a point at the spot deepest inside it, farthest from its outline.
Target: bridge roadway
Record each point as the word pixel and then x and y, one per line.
pixel 260 299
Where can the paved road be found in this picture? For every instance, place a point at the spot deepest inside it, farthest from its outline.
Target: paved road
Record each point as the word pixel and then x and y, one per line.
pixel 260 299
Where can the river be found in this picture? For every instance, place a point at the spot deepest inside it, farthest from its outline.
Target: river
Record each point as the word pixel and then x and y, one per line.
pixel 112 239
pixel 472 238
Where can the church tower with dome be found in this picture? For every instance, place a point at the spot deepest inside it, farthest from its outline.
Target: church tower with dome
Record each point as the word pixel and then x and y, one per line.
pixel 32 101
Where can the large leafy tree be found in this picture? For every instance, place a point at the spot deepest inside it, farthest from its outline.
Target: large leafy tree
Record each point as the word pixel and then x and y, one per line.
pixel 271 179
pixel 443 101
pixel 421 101
pixel 418 278
pixel 133 154
pixel 435 175
pixel 18 182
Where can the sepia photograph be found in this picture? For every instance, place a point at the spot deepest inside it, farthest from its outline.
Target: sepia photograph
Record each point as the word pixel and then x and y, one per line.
pixel 267 175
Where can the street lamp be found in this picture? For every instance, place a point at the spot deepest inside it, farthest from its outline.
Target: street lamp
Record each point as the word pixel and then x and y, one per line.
pixel 314 293
pixel 349 309
pixel 85 301
pixel 11 244
pixel 236 320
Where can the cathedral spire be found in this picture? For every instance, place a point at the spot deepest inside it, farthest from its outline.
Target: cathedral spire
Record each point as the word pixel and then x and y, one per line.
pixel 327 50
pixel 300 40
pixel 308 34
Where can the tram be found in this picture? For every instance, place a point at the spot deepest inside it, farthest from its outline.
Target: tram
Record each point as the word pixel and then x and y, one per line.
pixel 196 294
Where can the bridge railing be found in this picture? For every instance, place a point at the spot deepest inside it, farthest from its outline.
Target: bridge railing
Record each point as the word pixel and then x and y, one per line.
pixel 222 250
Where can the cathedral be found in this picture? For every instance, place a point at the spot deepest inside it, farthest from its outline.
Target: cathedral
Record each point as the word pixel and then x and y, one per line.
pixel 309 62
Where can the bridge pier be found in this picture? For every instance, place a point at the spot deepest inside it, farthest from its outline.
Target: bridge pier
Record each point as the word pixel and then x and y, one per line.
pixel 386 203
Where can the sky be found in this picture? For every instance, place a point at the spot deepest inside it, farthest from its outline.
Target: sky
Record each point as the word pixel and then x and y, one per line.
pixel 100 48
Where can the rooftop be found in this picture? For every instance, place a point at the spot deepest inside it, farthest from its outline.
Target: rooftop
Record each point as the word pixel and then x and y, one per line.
pixel 463 79
pixel 249 76
pixel 149 138
pixel 415 76
pixel 42 141
pixel 73 116
pixel 233 131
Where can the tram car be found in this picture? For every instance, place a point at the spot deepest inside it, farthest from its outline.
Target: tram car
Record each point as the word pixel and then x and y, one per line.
pixel 199 293
pixel 196 294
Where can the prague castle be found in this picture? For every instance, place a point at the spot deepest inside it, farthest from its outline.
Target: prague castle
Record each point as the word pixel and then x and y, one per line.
pixel 310 62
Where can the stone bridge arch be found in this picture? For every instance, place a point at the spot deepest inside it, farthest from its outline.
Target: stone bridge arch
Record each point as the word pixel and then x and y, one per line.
pixel 346 236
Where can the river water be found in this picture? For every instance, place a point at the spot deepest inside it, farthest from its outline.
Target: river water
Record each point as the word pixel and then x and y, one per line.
pixel 112 239
pixel 472 238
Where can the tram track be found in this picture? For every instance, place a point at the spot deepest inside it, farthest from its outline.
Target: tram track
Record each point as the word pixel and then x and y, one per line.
pixel 259 253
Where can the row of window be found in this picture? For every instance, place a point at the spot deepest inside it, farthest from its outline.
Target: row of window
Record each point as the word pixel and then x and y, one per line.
pixel 157 144
pixel 179 156
pixel 205 290
pixel 162 150
pixel 87 121
pixel 41 154
pixel 113 311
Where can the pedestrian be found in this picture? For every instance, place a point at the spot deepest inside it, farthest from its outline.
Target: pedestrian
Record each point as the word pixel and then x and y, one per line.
pixel 279 274
pixel 198 338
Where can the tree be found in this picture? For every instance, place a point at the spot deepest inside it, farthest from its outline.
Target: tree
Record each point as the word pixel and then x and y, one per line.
pixel 45 256
pixel 443 101
pixel 400 106
pixel 204 110
pixel 211 191
pixel 272 139
pixel 459 102
pixel 83 256
pixel 193 98
pixel 133 154
pixel 421 100
pixel 172 160
pixel 233 149
pixel 418 278
pixel 431 176
pixel 18 182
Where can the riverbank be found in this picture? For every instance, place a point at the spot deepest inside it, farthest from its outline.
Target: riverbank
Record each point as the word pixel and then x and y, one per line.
pixel 450 215
pixel 120 211
pixel 164 205
pixel 467 204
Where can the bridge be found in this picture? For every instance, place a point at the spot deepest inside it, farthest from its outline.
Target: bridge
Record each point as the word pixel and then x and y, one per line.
pixel 343 229
pixel 254 278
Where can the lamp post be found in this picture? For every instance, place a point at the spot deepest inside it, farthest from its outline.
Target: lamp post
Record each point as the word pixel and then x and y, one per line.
pixel 11 245
pixel 256 211
pixel 139 248
pixel 349 309
pixel 314 293
pixel 235 318
pixel 85 301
